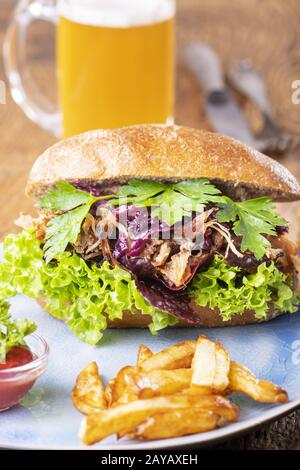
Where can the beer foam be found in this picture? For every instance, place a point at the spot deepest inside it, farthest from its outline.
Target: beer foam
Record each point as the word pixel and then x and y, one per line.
pixel 116 13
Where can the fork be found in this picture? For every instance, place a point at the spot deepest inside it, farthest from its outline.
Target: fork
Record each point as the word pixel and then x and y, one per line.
pixel 248 81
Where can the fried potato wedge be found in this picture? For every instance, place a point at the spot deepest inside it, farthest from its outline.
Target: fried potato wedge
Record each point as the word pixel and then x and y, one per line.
pixel 109 392
pixel 176 357
pixel 176 424
pixel 133 383
pixel 88 394
pixel 243 380
pixel 221 378
pixel 123 419
pixel 210 365
pixel 143 353
pixel 178 391
pixel 124 388
pixel 156 383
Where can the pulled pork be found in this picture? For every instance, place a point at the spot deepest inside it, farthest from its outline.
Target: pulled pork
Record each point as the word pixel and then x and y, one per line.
pixel 43 219
pixel 88 245
pixel 175 261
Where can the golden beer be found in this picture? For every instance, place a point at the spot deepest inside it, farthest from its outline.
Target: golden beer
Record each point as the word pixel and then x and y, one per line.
pixel 115 75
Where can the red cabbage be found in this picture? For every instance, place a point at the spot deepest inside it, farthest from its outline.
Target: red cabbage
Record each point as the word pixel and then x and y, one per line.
pixel 178 305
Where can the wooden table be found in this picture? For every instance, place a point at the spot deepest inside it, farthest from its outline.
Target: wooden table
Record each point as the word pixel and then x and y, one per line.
pixel 266 32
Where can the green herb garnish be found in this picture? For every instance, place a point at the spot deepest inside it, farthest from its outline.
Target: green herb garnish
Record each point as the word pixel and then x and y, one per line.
pixel 64 228
pixel 12 333
pixel 252 219
pixel 169 202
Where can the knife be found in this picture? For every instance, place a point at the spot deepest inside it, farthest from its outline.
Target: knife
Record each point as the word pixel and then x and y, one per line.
pixel 222 110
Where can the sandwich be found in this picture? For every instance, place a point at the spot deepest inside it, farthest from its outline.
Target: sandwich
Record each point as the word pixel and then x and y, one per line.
pixel 155 226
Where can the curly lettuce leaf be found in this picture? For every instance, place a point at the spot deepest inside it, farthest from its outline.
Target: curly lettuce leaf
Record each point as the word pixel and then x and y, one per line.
pixel 85 298
pixel 21 266
pixel 12 333
pixel 222 287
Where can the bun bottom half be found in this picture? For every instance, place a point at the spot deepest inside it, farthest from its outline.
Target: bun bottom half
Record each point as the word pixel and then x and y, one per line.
pixel 209 318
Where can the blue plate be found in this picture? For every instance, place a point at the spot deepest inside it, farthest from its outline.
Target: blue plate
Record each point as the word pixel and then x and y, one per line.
pixel 46 418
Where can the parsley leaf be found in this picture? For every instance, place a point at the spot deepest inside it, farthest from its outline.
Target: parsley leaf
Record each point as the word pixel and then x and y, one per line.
pixel 252 219
pixel 199 188
pixel 141 190
pixel 64 197
pixel 63 230
pixel 171 206
pixel 12 333
pixel 170 202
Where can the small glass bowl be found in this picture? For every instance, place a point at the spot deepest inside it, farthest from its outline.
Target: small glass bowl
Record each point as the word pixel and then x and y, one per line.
pixel 17 381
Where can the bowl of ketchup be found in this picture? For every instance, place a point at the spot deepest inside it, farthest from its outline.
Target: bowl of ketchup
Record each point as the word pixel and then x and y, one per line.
pixel 22 367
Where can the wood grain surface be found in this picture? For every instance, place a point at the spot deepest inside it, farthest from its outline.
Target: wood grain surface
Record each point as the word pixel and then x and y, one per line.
pixel 265 31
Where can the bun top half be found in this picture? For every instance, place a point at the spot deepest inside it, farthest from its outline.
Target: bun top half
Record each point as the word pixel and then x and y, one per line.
pixel 162 153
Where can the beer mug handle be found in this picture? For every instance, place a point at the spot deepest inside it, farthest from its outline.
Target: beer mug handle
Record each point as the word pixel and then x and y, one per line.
pixel 23 89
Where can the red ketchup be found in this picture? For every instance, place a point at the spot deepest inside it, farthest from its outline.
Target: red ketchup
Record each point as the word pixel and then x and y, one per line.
pixel 14 384
pixel 17 356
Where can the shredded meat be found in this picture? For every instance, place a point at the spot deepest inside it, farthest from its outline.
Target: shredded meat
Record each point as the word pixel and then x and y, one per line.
pixel 289 262
pixel 288 250
pixel 152 248
pixel 177 270
pixel 87 244
pixel 197 227
pixel 44 218
pixel 160 257
pixel 176 260
pixel 296 263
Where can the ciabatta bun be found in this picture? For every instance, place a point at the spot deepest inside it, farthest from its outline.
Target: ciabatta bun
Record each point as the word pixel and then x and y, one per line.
pixel 159 152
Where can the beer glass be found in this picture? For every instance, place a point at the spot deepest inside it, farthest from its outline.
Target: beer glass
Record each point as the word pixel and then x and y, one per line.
pixel 114 61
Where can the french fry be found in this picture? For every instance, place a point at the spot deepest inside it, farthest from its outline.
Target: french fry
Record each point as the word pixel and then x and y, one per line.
pixel 176 357
pixel 243 380
pixel 124 387
pixel 127 396
pixel 132 383
pixel 221 379
pixel 143 354
pixel 156 383
pixel 109 392
pixel 210 367
pixel 177 391
pixel 88 394
pixel 122 419
pixel 176 423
